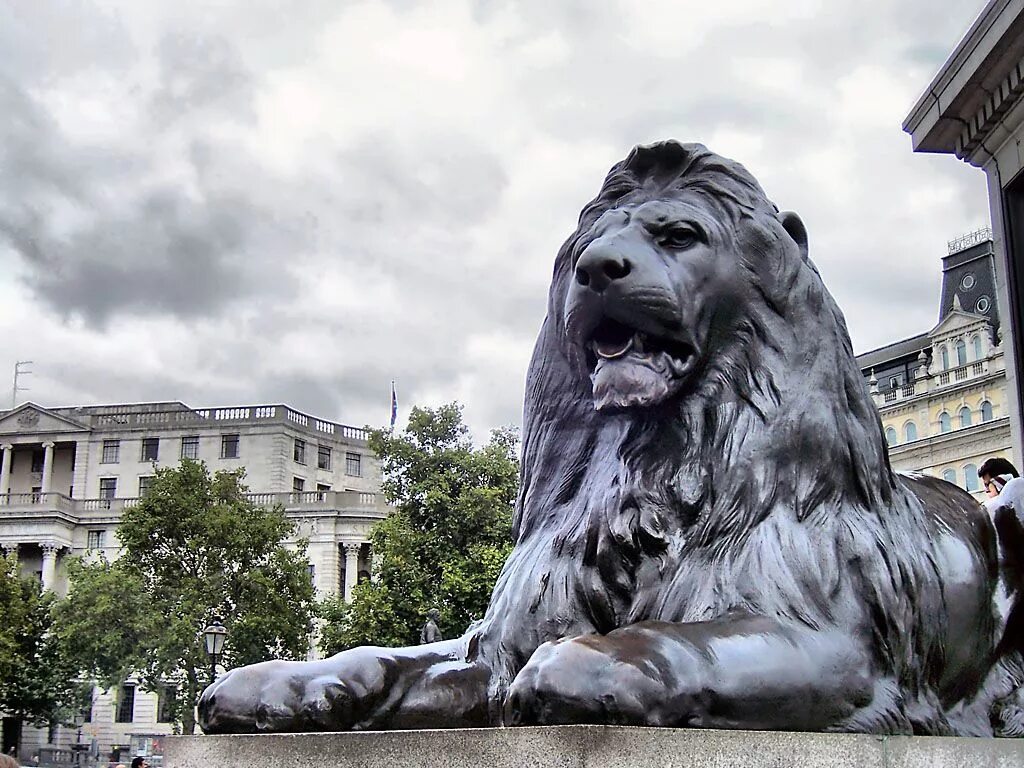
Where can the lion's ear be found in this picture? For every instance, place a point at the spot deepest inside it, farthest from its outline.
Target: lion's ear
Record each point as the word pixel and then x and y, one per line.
pixel 794 225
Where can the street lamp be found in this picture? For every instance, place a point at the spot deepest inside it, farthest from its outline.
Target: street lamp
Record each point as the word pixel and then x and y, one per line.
pixel 78 720
pixel 213 637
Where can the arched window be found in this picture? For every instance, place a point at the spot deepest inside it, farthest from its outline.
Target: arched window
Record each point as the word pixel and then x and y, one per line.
pixel 944 354
pixel 945 423
pixel 949 475
pixel 965 417
pixel 961 353
pixel 971 478
pixel 976 343
pixel 890 436
pixel 909 432
pixel 986 411
pixel 893 382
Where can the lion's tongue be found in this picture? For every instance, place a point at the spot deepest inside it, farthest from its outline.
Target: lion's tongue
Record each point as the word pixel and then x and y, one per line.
pixel 628 381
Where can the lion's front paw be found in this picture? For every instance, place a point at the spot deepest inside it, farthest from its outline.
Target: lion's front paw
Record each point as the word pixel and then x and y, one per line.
pixel 276 696
pixel 575 681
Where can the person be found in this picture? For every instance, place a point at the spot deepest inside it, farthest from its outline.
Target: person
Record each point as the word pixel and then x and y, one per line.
pixel 7 761
pixel 139 762
pixel 995 472
pixel 430 632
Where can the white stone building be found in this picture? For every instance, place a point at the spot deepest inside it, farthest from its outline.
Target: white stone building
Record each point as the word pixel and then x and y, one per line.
pixel 67 473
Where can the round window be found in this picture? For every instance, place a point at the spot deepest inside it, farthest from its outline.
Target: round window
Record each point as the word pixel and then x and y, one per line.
pixel 968 281
pixel 983 306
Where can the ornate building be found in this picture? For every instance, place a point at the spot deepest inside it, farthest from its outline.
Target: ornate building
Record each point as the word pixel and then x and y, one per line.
pixel 66 474
pixel 974 109
pixel 942 395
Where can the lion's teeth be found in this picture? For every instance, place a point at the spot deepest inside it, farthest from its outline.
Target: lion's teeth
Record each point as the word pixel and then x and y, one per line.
pixel 614 352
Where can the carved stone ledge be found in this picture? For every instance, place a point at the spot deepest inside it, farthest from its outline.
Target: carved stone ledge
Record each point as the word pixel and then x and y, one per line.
pixel 586 746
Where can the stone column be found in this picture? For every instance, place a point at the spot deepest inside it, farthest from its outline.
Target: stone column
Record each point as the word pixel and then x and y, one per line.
pixel 5 469
pixel 47 467
pixel 351 569
pixel 49 565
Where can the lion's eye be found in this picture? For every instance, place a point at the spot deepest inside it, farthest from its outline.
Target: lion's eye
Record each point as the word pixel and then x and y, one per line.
pixel 678 238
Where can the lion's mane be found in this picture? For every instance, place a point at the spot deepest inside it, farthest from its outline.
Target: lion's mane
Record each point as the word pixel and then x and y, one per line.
pixel 684 511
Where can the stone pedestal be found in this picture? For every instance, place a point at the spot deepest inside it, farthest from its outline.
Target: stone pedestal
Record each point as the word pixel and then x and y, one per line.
pixel 585 746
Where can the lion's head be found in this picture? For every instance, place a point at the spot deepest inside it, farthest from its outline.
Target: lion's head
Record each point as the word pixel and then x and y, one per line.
pixel 691 347
pixel 670 270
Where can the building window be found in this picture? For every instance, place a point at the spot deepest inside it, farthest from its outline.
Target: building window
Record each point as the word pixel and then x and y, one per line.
pixel 968 281
pixel 945 422
pixel 983 306
pixel 893 382
pixel 145 483
pixel 944 355
pixel 353 464
pixel 971 478
pixel 298 484
pixel 150 449
pixel 229 446
pixel 976 343
pixel 95 540
pixel 965 417
pixel 909 432
pixel 311 570
pixel 323 457
pixel 111 452
pixel 299 451
pixel 126 704
pixel 890 436
pixel 961 353
pixel 321 489
pixel 87 711
pixel 949 475
pixel 986 411
pixel 165 706
pixel 108 487
pixel 38 459
pixel 190 447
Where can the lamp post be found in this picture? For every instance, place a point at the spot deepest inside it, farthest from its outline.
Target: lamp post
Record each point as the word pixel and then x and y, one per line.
pixel 79 720
pixel 213 637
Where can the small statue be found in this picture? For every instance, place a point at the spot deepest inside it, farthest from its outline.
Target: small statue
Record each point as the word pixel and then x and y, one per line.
pixel 430 633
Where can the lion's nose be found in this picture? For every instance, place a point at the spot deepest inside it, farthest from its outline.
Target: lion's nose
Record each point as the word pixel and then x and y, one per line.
pixel 600 267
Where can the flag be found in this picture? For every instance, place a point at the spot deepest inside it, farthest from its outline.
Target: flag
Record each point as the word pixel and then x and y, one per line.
pixel 394 405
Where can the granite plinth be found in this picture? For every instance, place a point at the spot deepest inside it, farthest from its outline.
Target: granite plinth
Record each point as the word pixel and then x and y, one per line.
pixel 585 746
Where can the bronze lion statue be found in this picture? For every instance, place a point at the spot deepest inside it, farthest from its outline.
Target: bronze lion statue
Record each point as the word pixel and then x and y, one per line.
pixel 708 531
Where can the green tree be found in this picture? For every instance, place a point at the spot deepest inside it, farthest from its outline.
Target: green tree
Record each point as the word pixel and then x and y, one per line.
pixel 447 540
pixel 38 683
pixel 195 547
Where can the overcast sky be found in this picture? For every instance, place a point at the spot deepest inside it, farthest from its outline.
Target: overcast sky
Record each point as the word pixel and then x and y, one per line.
pixel 266 201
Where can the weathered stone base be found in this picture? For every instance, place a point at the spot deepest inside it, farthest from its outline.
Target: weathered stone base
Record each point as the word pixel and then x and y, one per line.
pixel 585 746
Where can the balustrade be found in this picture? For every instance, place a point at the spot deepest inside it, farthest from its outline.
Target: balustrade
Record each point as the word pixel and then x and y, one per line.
pixel 11 503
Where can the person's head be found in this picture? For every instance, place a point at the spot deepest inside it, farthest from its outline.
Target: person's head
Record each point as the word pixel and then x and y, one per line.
pixel 990 472
pixel 139 762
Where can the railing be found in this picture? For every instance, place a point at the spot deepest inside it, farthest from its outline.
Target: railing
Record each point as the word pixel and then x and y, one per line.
pixel 309 500
pixel 968 240
pixel 962 373
pixel 250 413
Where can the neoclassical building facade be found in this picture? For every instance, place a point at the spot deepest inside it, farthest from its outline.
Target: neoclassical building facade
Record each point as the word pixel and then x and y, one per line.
pixel 942 395
pixel 66 475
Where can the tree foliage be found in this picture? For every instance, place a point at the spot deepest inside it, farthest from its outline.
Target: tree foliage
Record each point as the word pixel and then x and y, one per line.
pixel 195 548
pixel 447 540
pixel 37 680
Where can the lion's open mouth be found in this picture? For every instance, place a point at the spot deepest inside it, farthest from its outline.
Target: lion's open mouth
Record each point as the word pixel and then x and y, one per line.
pixel 612 340
pixel 630 367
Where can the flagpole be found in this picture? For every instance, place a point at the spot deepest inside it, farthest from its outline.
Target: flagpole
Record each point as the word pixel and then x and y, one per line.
pixel 394 405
